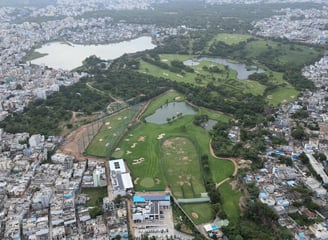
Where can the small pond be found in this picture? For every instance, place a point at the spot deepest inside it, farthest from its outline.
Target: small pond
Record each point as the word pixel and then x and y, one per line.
pixel 208 126
pixel 242 71
pixel 169 111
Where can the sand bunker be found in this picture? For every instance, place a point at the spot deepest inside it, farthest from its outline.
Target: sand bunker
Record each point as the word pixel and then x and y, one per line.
pixel 141 139
pixel 128 152
pixel 180 76
pixel 125 117
pixel 107 123
pixel 165 74
pixel 119 118
pixel 107 144
pixel 194 215
pixel 136 181
pixel 114 134
pixel 133 145
pixel 127 140
pixel 100 140
pixel 157 180
pixel 161 136
pixel 109 128
pixel 138 161
pixel 177 98
pixel 131 135
pixel 117 149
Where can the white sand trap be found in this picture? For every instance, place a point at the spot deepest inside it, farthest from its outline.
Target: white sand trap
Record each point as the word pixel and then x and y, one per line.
pixel 131 135
pixel 100 140
pixel 133 145
pixel 125 117
pixel 114 134
pixel 165 74
pixel 117 149
pixel 107 144
pixel 138 161
pixel 128 152
pixel 109 128
pixel 161 136
pixel 164 60
pixel 127 140
pixel 177 98
pixel 119 118
pixel 180 76
pixel 107 123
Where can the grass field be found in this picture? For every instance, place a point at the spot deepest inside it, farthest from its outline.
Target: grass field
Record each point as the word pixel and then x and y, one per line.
pixel 230 200
pixel 96 196
pixel 199 213
pixel 230 39
pixel 181 166
pixel 227 78
pixel 282 95
pixel 109 134
pixel 141 148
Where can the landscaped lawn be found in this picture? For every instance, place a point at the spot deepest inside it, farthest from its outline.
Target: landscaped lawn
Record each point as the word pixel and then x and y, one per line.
pixel 230 199
pixel 141 148
pixel 199 213
pixel 182 168
pixel 282 95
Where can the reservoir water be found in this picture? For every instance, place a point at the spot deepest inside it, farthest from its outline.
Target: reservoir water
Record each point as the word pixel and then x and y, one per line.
pixel 240 68
pixel 70 56
pixel 170 110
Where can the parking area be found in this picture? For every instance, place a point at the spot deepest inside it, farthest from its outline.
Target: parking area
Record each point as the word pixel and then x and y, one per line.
pixel 161 229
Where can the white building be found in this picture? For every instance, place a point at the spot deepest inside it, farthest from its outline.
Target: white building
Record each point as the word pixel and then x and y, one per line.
pixel 120 178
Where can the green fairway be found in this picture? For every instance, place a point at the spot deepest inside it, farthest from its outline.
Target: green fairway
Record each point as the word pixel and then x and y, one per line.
pixel 282 95
pixel 109 134
pixel 202 75
pixel 200 213
pixel 181 166
pixel 141 147
pixel 230 199
pixel 230 39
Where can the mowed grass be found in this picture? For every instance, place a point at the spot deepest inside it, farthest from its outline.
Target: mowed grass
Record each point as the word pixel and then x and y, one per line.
pixel 292 54
pixel 141 148
pixel 282 95
pixel 182 167
pixel 230 199
pixel 230 39
pixel 200 213
pixel 227 78
pixel 113 128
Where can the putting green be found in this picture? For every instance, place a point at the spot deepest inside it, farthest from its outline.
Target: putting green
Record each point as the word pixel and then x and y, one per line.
pixel 147 182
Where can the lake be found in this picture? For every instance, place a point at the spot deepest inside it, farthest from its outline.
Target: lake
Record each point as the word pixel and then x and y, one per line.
pixel 69 56
pixel 170 110
pixel 240 68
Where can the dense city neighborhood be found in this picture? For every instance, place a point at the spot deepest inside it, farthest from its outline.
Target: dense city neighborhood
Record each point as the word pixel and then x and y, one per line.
pixel 48 194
